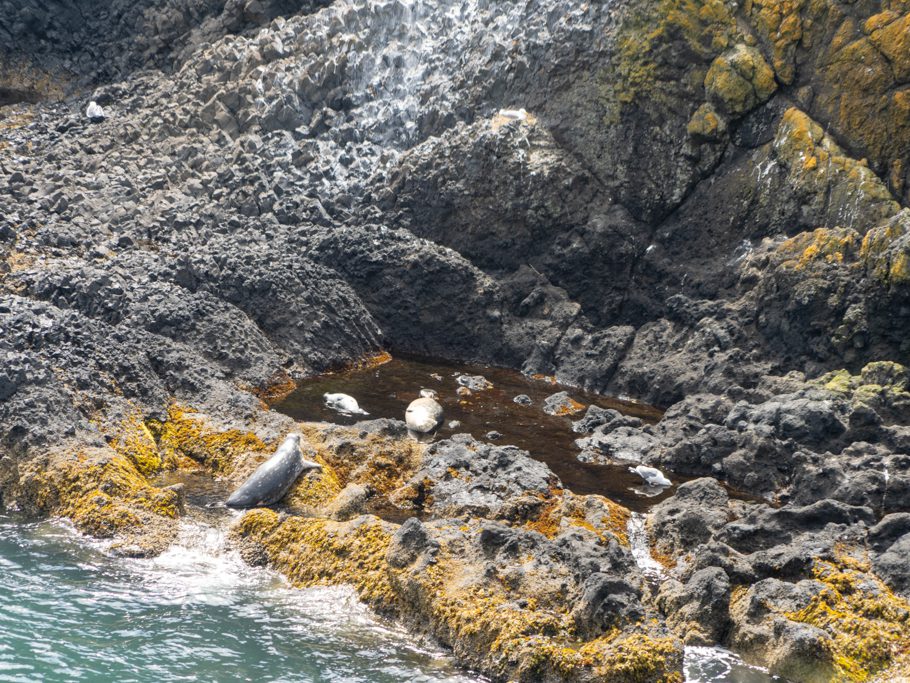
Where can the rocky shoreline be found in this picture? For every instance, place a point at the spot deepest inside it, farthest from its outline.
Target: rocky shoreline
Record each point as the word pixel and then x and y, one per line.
pixel 699 205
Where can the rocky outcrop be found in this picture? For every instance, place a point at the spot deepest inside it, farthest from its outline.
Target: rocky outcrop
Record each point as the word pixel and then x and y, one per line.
pixel 522 579
pixel 700 205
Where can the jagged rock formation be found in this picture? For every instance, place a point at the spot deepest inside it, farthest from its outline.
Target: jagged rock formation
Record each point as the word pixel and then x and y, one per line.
pixel 705 207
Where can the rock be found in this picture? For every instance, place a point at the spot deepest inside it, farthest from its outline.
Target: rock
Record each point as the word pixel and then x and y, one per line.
pixel 474 382
pixel 673 208
pixel 470 477
pixel 888 530
pixel 408 543
pixel 605 601
pixel 561 404
pixel 698 608
pixel 350 502
pixel 522 400
pixel 619 443
pixel 690 517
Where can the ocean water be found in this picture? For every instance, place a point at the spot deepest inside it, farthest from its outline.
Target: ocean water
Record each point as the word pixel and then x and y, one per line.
pixel 71 612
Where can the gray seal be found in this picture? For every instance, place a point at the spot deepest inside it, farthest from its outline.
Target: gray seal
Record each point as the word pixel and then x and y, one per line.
pixel 424 415
pixel 273 478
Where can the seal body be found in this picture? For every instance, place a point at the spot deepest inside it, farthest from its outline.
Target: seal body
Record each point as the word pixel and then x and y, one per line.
pixel 273 478
pixel 423 415
pixel 344 404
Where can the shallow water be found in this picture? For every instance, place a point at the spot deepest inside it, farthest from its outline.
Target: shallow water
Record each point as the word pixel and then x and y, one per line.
pixel 386 390
pixel 70 612
pixel 717 665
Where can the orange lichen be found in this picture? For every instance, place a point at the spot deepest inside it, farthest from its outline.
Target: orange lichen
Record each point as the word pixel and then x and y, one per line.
pixel 368 362
pixel 570 407
pixel 278 387
pixel 563 510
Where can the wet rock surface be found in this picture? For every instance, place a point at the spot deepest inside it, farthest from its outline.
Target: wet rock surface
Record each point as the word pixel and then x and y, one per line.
pixel 702 209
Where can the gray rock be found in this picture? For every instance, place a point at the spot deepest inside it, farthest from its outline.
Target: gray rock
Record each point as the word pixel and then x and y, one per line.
pixel 561 403
pixel 700 607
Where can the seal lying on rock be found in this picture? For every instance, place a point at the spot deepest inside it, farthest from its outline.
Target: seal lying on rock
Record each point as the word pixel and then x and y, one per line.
pixel 273 478
pixel 424 414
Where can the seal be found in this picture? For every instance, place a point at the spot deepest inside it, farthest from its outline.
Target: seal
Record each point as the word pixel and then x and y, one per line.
pixel 424 414
pixel 344 404
pixel 273 478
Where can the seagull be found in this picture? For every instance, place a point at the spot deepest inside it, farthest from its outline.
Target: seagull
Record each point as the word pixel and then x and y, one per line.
pixel 651 475
pixel 94 112
pixel 343 404
pixel 424 414
pixel 514 114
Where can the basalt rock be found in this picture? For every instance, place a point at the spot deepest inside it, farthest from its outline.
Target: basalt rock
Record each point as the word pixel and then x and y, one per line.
pixel 698 205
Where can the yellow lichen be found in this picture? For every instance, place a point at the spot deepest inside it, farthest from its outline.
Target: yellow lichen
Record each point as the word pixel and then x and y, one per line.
pixel 318 552
pixel 869 626
pixel 879 379
pixel 706 124
pixel 512 626
pixel 779 24
pixel 739 80
pixel 315 490
pixel 137 443
pixel 705 27
pixel 380 462
pixel 817 166
pixel 188 434
pixel 101 492
pixel 833 246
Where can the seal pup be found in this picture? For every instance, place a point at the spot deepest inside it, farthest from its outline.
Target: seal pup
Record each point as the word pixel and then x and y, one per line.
pixel 424 414
pixel 343 404
pixel 273 478
pixel 651 475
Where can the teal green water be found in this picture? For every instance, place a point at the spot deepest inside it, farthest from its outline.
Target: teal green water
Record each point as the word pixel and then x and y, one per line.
pixel 70 612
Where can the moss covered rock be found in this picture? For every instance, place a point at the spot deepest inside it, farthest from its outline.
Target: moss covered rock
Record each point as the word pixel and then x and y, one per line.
pixel 104 494
pixel 739 80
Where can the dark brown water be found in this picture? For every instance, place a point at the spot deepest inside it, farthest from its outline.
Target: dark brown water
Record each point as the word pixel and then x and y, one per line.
pixel 385 391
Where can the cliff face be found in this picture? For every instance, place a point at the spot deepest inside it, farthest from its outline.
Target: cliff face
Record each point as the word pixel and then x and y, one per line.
pixel 700 204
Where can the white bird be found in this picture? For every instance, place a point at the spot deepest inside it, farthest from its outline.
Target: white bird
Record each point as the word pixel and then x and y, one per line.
pixel 343 404
pixel 94 112
pixel 651 475
pixel 514 114
pixel 424 414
